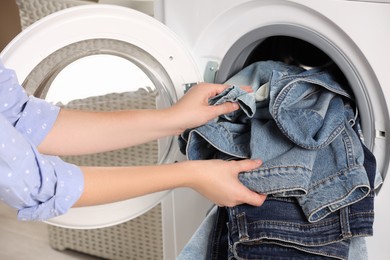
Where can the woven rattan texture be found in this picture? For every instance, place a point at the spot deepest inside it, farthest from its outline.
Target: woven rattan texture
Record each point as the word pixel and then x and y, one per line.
pixel 140 238
pixel 31 11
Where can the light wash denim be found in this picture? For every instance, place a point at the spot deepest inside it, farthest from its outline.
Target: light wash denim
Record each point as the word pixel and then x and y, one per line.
pixel 199 243
pixel 358 249
pixel 299 124
pixel 278 230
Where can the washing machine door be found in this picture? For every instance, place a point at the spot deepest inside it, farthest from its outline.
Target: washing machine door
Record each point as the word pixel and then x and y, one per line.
pixel 105 57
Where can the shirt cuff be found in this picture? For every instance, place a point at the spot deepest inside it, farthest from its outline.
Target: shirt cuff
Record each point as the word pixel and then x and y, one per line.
pixel 69 187
pixel 41 115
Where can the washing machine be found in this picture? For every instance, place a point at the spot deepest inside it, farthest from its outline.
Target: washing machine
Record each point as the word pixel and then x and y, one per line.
pixel 192 41
pixel 225 36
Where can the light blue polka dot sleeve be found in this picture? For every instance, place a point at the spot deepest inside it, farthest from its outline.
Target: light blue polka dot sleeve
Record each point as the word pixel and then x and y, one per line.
pixel 39 186
pixel 31 116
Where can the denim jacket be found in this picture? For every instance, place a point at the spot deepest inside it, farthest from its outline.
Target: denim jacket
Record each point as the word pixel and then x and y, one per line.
pixel 299 123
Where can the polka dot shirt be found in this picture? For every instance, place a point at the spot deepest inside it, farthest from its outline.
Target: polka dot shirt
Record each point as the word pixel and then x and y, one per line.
pixel 39 186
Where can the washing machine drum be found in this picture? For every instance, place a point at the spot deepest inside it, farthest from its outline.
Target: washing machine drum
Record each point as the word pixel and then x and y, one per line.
pixel 293 41
pixel 100 57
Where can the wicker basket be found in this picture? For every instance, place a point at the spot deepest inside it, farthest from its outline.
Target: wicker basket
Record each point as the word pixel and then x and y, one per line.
pixel 140 238
pixel 31 11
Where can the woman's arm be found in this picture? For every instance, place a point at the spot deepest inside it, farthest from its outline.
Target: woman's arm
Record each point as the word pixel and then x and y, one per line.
pixel 215 179
pixel 83 132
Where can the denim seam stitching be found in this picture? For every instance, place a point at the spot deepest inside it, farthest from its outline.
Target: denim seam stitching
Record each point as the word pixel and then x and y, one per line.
pixel 275 112
pixel 212 144
pixel 305 77
pixel 324 214
pixel 334 176
pixel 237 243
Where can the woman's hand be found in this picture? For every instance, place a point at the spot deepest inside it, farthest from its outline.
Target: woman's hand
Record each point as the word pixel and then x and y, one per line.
pixel 218 181
pixel 193 108
pixel 85 132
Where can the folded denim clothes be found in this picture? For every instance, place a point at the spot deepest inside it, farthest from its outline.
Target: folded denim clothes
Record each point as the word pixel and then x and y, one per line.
pixel 198 245
pixel 279 230
pixel 297 122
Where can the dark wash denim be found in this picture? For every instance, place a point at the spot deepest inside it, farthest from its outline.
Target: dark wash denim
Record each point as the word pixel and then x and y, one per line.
pixel 279 229
pixel 299 124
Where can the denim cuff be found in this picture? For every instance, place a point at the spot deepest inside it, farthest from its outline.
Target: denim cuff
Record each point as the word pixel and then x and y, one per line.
pixel 344 190
pixel 279 181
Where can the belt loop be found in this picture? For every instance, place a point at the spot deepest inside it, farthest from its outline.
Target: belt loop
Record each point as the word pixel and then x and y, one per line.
pixel 242 227
pixel 344 223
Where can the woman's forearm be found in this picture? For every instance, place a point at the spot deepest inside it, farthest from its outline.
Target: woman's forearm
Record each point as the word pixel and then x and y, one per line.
pixel 111 184
pixel 83 132
pixel 215 179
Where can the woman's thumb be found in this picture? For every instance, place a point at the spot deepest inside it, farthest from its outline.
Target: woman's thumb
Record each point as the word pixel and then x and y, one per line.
pixel 255 199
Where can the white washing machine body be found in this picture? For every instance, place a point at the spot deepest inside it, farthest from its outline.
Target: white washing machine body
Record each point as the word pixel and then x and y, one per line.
pixel 210 41
pixel 223 34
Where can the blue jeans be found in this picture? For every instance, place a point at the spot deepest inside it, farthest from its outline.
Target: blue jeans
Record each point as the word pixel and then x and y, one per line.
pixel 199 246
pixel 312 153
pixel 279 229
pixel 212 239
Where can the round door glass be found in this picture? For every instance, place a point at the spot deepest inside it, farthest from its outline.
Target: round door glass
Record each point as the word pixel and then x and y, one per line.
pixel 97 75
pixel 106 75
